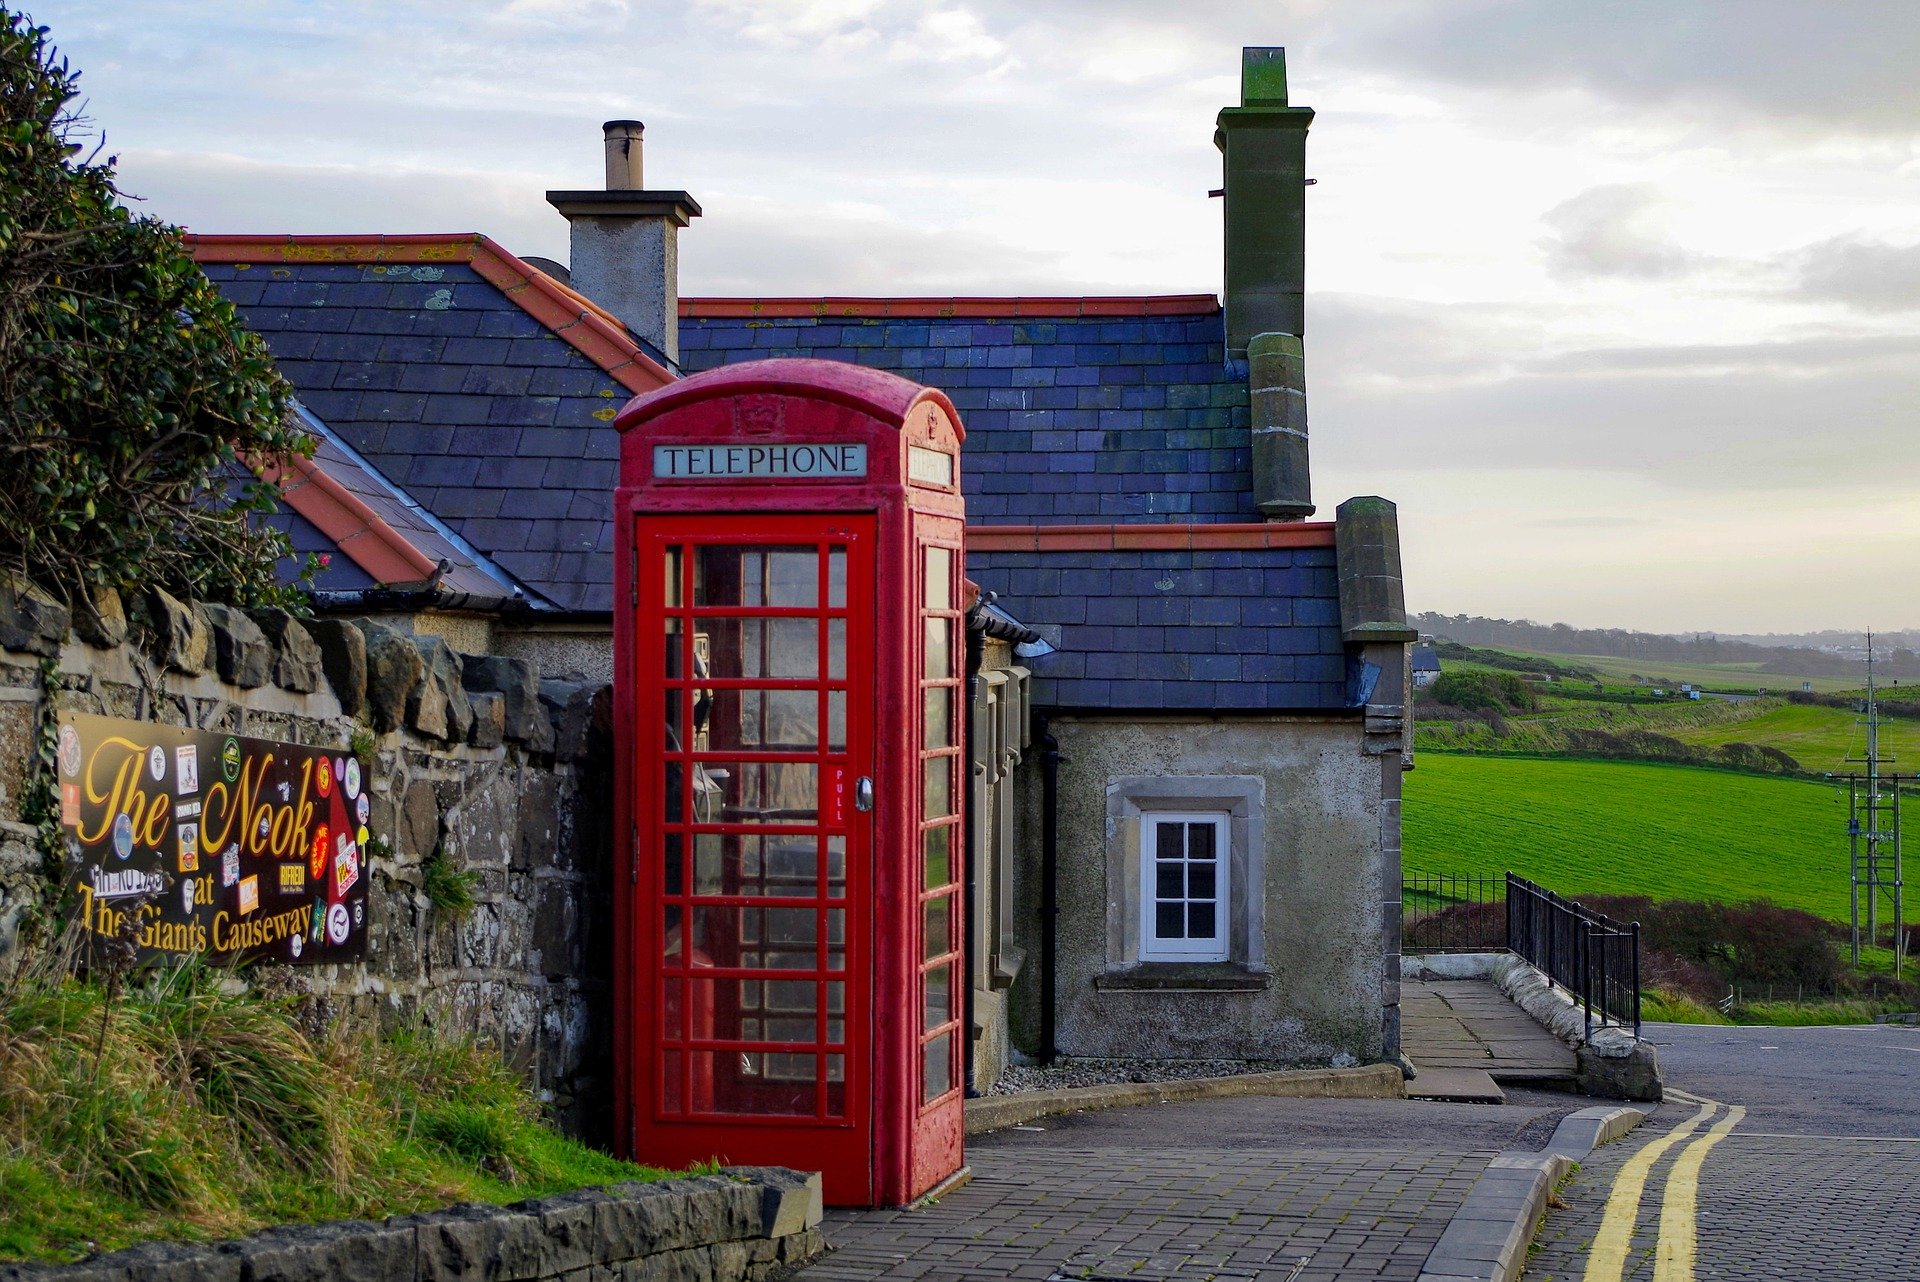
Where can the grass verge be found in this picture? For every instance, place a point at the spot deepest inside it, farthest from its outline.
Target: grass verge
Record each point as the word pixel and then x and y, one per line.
pixel 185 1109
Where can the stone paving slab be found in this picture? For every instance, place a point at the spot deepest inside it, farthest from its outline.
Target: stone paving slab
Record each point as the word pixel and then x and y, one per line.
pixel 1462 1085
pixel 1470 1023
pixel 1097 1213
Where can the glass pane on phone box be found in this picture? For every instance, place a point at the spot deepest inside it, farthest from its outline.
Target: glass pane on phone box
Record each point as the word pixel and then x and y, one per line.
pixel 937 1060
pixel 939 649
pixel 752 1084
pixel 764 721
pixel 836 721
pixel 777 576
pixel 672 863
pixel 836 939
pixel 727 936
pixel 670 934
pixel 837 579
pixel 674 642
pixel 936 862
pixel 938 710
pixel 836 867
pixel 936 936
pixel 939 585
pixel 752 649
pixel 673 571
pixel 939 998
pixel 774 792
pixel 937 795
pixel 675 711
pixel 836 649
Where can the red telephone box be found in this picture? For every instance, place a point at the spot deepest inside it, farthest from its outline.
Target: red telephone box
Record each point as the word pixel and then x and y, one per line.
pixel 789 649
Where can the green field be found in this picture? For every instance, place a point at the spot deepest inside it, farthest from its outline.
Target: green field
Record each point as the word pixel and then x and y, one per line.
pixel 1593 827
pixel 1709 676
pixel 1820 739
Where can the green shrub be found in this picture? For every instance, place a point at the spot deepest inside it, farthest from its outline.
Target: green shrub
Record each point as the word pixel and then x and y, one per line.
pixel 130 391
pixel 1483 692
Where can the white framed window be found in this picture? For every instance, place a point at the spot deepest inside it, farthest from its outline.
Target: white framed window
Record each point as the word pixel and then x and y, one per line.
pixel 1186 886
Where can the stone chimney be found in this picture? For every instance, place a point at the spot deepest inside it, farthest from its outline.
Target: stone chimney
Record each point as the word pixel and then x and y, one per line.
pixel 1263 145
pixel 625 248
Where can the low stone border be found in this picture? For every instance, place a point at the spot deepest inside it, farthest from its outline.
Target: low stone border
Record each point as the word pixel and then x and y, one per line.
pixel 1487 1239
pixel 741 1225
pixel 1373 1081
pixel 1613 1063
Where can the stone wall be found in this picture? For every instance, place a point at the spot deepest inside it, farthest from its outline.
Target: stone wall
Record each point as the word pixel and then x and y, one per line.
pixel 504 775
pixel 741 1225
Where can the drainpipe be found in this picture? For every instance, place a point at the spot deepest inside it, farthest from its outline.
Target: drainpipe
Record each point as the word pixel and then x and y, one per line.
pixel 970 927
pixel 1050 760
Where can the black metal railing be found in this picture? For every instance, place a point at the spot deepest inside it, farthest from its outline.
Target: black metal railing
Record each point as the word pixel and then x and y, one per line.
pixel 1452 913
pixel 1595 958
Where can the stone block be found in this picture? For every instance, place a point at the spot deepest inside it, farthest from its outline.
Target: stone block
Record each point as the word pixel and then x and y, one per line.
pixel 179 634
pixel 790 1201
pixel 438 705
pixel 458 1244
pixel 323 1252
pixel 395 670
pixel 567 1223
pixel 31 620
pixel 419 820
pixel 102 620
pixel 489 729
pixel 517 680
pixel 242 654
pixel 297 663
pixel 343 660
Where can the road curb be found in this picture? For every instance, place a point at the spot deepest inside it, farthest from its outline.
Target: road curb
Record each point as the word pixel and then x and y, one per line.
pixel 1487 1239
pixel 1374 1081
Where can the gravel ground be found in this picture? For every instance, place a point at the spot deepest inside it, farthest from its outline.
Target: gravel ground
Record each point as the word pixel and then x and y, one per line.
pixel 1103 1072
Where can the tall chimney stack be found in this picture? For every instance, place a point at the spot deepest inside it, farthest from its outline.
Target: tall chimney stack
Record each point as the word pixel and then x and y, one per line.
pixel 1263 146
pixel 624 242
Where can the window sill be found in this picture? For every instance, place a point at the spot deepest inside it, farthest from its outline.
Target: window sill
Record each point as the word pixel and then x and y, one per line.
pixel 1185 977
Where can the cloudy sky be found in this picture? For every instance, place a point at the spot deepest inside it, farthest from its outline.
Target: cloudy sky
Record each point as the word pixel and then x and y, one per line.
pixel 1620 301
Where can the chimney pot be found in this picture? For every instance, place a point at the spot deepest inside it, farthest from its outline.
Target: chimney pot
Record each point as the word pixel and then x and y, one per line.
pixel 623 155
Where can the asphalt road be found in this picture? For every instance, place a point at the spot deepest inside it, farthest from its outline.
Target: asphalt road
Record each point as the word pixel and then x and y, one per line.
pixel 1780 1153
pixel 1856 1080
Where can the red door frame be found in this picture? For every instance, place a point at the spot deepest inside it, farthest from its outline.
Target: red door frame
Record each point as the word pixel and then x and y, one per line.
pixel 904 427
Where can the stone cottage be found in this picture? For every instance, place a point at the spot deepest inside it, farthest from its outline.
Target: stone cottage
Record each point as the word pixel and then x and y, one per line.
pixel 1188 699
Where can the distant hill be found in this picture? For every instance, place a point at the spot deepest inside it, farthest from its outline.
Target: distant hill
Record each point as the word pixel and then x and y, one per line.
pixel 1896 662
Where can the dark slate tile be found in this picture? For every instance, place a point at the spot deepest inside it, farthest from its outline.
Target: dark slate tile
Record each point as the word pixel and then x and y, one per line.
pixel 463 409
pixel 455 503
pixel 496 381
pixel 440 470
pixel 528 411
pixel 510 473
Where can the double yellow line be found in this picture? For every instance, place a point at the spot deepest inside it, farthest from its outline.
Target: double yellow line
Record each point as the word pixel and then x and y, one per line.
pixel 1674 1254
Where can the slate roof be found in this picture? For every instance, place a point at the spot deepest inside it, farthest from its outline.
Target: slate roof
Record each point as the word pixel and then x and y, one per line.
pixel 1130 414
pixel 364 507
pixel 1199 629
pixel 427 358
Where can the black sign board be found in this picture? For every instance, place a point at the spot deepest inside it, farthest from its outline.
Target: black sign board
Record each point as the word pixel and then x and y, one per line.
pixel 238 849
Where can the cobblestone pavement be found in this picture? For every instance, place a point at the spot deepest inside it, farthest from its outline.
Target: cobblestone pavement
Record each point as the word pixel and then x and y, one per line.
pixel 1819 1179
pixel 1098 1214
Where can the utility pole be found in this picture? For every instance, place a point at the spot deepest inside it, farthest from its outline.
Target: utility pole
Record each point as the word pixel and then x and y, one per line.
pixel 1883 847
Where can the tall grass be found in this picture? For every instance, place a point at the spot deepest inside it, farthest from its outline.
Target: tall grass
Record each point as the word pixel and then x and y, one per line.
pixel 186 1105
